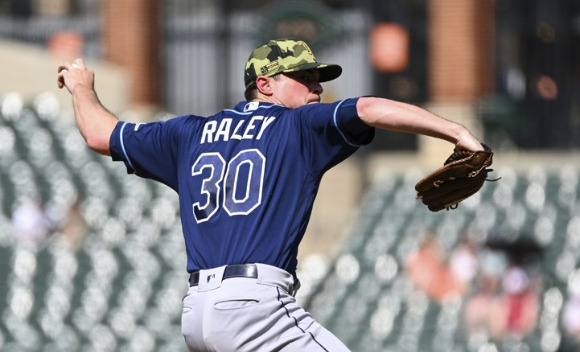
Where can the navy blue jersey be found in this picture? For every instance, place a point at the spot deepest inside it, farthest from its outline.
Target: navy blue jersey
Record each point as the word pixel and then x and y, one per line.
pixel 246 177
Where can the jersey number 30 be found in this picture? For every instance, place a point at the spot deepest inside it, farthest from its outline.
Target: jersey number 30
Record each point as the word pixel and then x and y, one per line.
pixel 224 178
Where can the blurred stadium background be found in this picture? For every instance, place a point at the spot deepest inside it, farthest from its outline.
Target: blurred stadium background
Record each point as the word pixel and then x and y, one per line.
pixel 92 259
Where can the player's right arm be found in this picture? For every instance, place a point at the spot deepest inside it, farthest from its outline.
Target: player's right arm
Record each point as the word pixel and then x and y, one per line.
pixel 94 122
pixel 402 117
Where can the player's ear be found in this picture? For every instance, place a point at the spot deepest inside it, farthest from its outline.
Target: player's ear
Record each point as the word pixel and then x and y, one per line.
pixel 263 84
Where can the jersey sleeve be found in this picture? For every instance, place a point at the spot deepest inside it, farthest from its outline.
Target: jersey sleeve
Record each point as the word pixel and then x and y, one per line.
pixel 350 126
pixel 149 150
pixel 333 132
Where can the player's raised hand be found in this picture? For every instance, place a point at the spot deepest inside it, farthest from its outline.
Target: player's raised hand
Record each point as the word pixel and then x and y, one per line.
pixel 467 141
pixel 76 73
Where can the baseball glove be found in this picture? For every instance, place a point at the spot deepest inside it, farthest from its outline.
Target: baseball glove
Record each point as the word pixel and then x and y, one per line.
pixel 461 176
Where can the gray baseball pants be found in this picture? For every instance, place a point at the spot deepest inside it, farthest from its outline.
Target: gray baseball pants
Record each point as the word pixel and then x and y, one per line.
pixel 251 314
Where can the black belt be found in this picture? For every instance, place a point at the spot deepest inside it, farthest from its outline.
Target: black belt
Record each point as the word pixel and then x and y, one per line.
pixel 236 270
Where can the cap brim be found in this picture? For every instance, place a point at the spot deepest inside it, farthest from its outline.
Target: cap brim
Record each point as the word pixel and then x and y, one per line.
pixel 327 72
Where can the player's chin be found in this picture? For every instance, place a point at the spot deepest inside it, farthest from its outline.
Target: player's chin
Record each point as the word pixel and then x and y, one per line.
pixel 316 101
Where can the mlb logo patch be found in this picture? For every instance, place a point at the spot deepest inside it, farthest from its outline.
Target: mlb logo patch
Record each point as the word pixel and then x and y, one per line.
pixel 251 106
pixel 210 278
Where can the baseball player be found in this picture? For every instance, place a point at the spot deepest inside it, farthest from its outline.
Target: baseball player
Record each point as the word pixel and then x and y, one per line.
pixel 247 178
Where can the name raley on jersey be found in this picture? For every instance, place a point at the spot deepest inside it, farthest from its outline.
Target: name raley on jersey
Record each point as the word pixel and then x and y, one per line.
pixel 244 129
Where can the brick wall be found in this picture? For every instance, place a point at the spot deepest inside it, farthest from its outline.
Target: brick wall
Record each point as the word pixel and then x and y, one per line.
pixel 131 30
pixel 460 50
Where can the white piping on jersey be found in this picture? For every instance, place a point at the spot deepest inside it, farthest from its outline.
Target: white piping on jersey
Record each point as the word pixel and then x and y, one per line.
pixel 123 146
pixel 334 117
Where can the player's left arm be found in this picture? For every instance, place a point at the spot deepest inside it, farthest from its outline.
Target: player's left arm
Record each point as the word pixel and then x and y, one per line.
pixel 94 121
pixel 402 117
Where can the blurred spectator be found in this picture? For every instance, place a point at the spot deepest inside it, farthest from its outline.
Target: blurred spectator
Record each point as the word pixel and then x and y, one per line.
pixel 74 227
pixel 30 222
pixel 478 309
pixel 571 316
pixel 571 310
pixel 507 301
pixel 428 270
pixel 463 264
pixel 518 305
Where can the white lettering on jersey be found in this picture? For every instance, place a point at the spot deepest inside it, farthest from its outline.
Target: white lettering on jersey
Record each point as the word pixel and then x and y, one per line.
pixel 208 130
pixel 244 129
pixel 251 126
pixel 223 132
pixel 236 134
pixel 266 123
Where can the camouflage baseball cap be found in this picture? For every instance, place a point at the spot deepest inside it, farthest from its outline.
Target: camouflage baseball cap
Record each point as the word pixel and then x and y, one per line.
pixel 285 55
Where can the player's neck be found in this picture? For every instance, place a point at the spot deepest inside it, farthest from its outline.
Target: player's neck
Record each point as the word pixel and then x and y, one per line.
pixel 267 99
